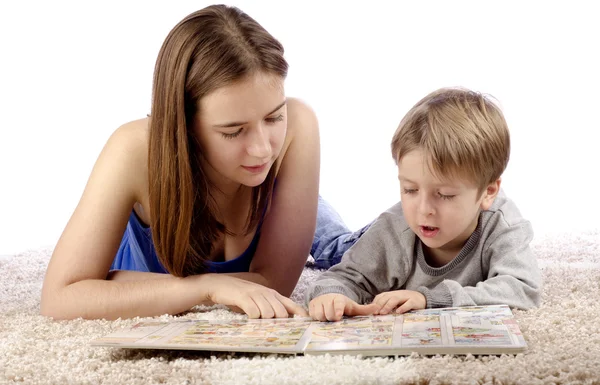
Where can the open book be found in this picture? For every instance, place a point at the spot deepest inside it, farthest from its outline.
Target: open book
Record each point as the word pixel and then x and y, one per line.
pixel 461 330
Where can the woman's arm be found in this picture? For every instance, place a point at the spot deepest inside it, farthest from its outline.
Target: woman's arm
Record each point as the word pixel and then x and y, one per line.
pixel 75 284
pixel 288 230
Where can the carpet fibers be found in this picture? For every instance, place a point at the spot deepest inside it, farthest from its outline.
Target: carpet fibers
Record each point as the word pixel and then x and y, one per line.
pixel 563 337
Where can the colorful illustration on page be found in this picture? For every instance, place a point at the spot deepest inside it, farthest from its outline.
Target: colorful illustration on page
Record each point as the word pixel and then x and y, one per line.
pixel 421 329
pixel 354 332
pixel 244 333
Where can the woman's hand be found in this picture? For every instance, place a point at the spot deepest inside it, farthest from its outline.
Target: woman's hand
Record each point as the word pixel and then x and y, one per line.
pixel 253 299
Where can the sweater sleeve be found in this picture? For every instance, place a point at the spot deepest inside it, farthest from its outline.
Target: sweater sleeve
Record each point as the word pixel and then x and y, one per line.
pixel 513 276
pixel 374 264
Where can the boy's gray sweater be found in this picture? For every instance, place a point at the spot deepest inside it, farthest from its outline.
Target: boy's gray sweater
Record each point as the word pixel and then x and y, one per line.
pixel 495 266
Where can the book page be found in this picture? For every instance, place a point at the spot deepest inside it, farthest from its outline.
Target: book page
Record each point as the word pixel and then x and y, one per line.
pixel 485 326
pixel 476 330
pixel 422 329
pixel 352 333
pixel 246 335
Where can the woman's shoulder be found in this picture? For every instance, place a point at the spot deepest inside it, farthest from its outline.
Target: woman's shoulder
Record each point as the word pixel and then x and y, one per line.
pixel 299 115
pixel 127 152
pixel 131 137
pixel 302 126
pixel 132 132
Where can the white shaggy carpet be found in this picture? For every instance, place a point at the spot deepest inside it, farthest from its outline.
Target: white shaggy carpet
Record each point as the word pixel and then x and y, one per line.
pixel 563 337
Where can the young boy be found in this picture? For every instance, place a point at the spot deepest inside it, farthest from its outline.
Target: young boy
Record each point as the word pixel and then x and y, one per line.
pixel 455 239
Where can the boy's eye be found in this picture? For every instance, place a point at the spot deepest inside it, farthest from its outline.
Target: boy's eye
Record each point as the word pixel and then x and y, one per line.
pixel 447 197
pixel 274 119
pixel 232 135
pixel 409 190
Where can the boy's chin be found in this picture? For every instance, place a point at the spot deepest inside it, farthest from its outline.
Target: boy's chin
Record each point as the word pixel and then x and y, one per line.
pixel 431 243
pixel 436 242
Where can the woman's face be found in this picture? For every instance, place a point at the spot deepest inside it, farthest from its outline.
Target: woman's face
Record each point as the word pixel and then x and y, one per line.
pixel 241 129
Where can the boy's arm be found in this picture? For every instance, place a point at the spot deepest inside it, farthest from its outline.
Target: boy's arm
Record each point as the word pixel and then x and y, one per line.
pixel 374 264
pixel 513 277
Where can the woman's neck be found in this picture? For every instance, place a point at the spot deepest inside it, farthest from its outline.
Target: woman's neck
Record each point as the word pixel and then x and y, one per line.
pixel 231 199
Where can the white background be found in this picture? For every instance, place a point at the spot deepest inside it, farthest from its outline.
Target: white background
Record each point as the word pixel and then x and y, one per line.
pixel 71 73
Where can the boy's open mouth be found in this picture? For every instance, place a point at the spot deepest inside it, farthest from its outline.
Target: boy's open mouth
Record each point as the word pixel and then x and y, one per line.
pixel 429 231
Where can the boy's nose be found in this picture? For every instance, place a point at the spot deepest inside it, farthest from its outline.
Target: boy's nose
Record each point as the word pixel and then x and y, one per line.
pixel 425 206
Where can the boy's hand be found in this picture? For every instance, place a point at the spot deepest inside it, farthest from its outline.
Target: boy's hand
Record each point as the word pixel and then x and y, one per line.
pixel 401 300
pixel 332 307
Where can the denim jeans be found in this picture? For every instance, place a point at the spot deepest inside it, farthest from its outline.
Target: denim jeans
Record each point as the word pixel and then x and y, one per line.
pixel 332 236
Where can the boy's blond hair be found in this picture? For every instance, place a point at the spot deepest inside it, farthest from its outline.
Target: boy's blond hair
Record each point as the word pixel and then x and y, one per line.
pixel 462 133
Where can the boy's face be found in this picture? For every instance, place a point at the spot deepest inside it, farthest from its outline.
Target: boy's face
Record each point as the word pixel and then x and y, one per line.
pixel 443 214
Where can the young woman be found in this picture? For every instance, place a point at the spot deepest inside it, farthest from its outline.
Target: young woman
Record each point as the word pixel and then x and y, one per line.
pixel 211 199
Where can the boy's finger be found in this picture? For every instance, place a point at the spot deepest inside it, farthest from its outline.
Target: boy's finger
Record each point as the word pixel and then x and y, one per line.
pixel 339 304
pixel 382 305
pixel 312 309
pixel 321 307
pixel 328 310
pixel 355 309
pixel 382 298
pixel 406 306
pixel 390 305
pixel 330 313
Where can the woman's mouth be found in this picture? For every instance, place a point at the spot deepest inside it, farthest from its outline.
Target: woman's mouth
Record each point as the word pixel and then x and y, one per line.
pixel 255 169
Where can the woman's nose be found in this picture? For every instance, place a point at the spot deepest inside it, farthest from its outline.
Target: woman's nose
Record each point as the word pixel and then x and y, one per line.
pixel 259 145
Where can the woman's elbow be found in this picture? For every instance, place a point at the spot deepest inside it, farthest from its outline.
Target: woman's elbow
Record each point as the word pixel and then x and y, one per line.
pixel 50 305
pixel 47 310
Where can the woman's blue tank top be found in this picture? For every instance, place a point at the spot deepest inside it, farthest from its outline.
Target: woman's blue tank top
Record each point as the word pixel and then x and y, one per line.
pixel 137 252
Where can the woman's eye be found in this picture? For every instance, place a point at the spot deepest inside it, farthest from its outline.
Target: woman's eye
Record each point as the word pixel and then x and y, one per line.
pixel 232 135
pixel 274 119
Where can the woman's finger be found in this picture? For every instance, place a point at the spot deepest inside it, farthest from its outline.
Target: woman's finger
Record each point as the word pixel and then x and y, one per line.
pixel 249 307
pixel 292 307
pixel 278 308
pixel 236 309
pixel 265 308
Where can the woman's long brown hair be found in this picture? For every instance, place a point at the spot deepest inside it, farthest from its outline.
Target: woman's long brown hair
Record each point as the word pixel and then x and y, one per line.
pixel 209 49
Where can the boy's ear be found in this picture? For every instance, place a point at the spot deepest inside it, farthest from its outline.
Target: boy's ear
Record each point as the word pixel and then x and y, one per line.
pixel 490 193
